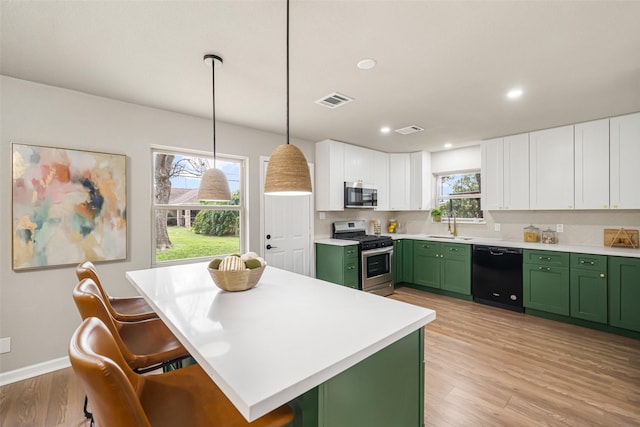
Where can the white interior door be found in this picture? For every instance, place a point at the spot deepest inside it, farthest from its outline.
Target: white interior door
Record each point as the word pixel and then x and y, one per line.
pixel 287 230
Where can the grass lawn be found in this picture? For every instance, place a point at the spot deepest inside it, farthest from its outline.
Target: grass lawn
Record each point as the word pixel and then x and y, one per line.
pixel 187 244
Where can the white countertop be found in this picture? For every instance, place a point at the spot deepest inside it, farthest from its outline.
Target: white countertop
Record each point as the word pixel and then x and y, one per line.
pixel 268 345
pixel 336 242
pixel 469 240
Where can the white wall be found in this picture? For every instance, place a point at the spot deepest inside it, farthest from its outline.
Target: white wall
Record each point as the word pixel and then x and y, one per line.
pixel 36 307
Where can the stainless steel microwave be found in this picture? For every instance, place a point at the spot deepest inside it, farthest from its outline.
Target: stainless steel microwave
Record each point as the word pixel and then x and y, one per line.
pixel 359 195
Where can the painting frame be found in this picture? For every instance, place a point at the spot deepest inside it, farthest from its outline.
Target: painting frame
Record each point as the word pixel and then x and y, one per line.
pixel 67 206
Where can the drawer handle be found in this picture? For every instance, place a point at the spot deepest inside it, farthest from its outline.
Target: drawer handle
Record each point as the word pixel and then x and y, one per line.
pixel 544 268
pixel 589 262
pixel 545 258
pixel 426 246
pixel 453 249
pixel 602 275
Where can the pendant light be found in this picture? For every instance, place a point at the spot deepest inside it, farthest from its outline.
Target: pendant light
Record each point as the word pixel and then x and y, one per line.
pixel 288 171
pixel 214 185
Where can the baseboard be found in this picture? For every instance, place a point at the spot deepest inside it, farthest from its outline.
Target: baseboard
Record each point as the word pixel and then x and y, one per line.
pixel 33 370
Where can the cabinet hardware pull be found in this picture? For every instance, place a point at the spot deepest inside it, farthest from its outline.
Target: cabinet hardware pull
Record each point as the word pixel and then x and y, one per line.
pixel 602 275
pixel 453 249
pixel 544 268
pixel 545 258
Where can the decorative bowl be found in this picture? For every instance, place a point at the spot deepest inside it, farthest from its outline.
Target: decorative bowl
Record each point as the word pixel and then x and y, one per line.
pixel 234 281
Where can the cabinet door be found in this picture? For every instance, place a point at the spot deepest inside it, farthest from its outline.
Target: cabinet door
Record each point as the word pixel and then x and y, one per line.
pixel 329 176
pixel 492 174
pixel 624 292
pixel 419 188
pixel 456 274
pixel 337 264
pixel 516 172
pixel 398 255
pixel 551 168
pixel 399 181
pixel 358 164
pixel 592 165
pixel 407 261
pixel 381 179
pixel 426 263
pixel 624 155
pixel 546 288
pixel 588 295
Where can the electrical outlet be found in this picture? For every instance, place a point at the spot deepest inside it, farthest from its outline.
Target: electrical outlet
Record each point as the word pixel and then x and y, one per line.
pixel 323 215
pixel 5 345
pixel 496 227
pixel 559 228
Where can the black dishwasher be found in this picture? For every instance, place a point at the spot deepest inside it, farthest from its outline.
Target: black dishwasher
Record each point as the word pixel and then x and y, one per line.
pixel 497 276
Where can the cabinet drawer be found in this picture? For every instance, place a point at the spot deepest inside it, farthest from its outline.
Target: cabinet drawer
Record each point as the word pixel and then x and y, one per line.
pixel 589 262
pixel 351 274
pixel 559 259
pixel 456 250
pixel 350 253
pixel 426 248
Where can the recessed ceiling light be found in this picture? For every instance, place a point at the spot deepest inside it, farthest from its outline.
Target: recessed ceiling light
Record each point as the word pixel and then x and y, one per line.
pixel 367 63
pixel 514 93
pixel 385 129
pixel 448 145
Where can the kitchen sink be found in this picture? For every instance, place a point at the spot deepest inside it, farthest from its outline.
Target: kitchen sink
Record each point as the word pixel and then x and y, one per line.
pixel 450 237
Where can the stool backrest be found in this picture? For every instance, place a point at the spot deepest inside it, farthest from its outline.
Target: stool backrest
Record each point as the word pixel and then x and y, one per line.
pixel 108 381
pixel 88 299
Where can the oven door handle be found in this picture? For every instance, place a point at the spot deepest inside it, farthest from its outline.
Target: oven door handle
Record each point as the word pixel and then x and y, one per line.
pixel 367 252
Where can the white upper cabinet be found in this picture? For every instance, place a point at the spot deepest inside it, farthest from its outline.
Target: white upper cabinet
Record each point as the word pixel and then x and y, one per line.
pixel 492 174
pixel 420 181
pixel 592 165
pixel 329 171
pixel 399 181
pixel 358 164
pixel 381 179
pixel 625 162
pixel 505 173
pixel 551 172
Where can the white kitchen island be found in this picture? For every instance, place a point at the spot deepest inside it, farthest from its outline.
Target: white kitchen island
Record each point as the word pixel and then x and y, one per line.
pixel 342 357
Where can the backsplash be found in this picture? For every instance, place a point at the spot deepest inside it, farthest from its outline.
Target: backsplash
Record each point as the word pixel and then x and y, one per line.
pixel 584 228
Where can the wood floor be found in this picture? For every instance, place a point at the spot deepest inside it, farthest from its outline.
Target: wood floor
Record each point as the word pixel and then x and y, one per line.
pixel 484 367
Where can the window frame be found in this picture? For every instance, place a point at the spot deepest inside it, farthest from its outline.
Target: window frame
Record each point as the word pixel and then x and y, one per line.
pixel 241 207
pixel 478 195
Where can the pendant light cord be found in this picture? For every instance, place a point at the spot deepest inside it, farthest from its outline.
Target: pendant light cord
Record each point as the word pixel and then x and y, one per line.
pixel 213 103
pixel 287 71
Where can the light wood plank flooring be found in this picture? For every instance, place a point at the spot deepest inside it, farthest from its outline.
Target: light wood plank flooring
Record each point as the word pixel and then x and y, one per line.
pixel 484 367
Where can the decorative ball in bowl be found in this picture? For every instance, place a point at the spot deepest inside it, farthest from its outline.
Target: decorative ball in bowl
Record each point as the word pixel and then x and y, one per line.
pixel 237 272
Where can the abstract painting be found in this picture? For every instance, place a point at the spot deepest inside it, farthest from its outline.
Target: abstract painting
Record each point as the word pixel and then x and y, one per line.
pixel 68 206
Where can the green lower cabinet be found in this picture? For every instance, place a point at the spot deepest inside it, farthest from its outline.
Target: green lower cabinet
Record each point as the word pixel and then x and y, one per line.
pixel 445 266
pixel 402 261
pixel 624 292
pixel 337 264
pixel 545 286
pixel 589 287
pixel 386 389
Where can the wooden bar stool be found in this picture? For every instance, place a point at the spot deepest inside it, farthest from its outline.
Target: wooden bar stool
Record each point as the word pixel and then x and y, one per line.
pixel 123 398
pixel 124 309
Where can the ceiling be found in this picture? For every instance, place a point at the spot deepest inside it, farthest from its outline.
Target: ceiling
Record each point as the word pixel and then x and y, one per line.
pixel 444 66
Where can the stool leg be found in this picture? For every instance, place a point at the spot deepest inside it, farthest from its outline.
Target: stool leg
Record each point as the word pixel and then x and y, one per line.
pixel 87 414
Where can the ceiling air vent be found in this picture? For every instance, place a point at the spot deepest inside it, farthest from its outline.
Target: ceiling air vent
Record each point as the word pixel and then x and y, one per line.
pixel 409 129
pixel 334 100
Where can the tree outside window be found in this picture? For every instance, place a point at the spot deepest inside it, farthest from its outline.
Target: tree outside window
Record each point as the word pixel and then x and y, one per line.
pixel 460 194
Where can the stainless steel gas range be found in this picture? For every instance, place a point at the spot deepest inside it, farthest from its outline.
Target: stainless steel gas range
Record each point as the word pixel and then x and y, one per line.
pixel 376 255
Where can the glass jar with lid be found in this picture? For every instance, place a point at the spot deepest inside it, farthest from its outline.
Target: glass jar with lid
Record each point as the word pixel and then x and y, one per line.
pixel 531 234
pixel 549 236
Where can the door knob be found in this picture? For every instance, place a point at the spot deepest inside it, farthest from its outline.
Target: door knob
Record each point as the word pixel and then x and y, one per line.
pixel 271 247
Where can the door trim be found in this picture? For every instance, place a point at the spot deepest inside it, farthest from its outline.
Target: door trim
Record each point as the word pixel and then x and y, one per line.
pixel 312 253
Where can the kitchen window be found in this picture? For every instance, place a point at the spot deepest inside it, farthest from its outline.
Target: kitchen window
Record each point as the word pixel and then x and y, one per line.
pixel 460 193
pixel 185 228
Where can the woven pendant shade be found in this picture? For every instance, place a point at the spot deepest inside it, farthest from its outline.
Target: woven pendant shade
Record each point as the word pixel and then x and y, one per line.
pixel 214 186
pixel 287 172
